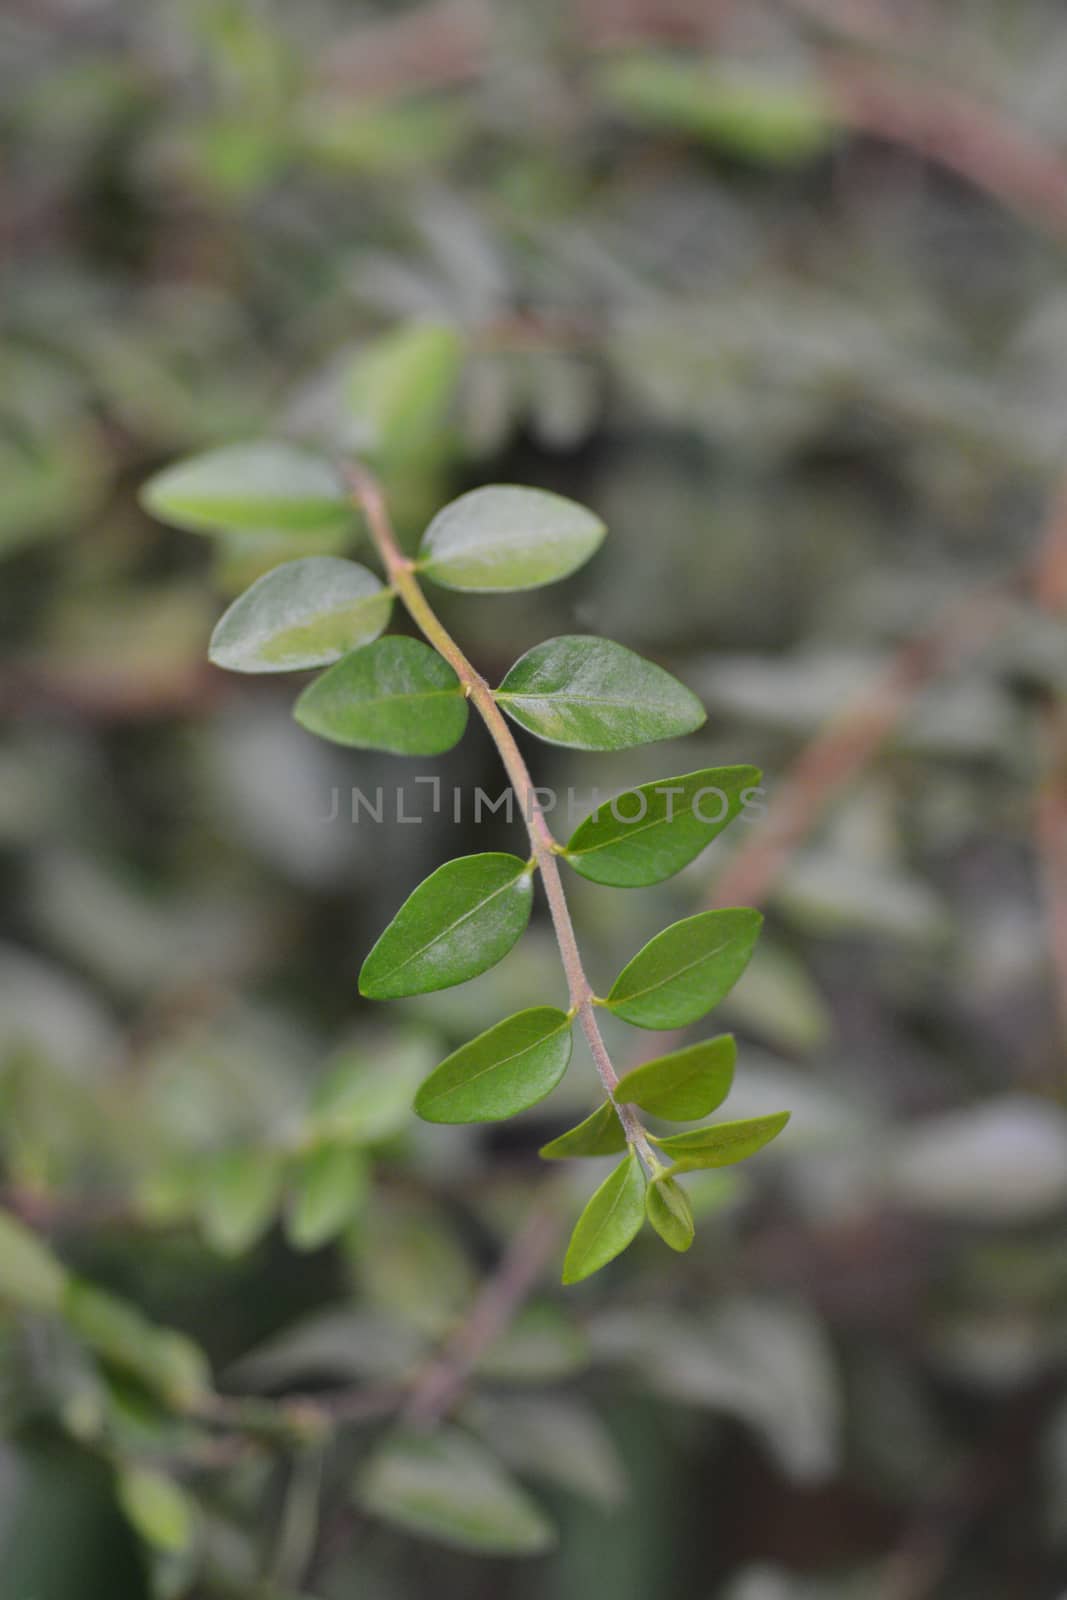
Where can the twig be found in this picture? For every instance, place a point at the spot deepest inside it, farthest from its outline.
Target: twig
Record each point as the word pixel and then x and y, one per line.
pixel 965 135
pixel 501 1295
pixel 401 572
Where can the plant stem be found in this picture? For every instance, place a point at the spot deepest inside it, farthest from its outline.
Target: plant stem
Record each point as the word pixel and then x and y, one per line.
pixel 367 493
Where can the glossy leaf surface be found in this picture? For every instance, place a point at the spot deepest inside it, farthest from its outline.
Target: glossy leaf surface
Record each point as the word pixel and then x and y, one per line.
pixel 503 1071
pixel 591 694
pixel 504 537
pixel 685 1085
pixel 395 695
pixel 303 614
pixel 268 487
pixel 461 921
pixel 686 969
pixel 651 832
pixel 670 1213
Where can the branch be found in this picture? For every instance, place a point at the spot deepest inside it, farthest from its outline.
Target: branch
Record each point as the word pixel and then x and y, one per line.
pixel 400 569
pixel 444 1380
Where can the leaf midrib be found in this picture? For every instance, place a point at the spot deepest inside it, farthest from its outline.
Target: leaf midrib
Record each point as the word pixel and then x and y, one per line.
pixel 633 829
pixel 420 694
pixel 582 700
pixel 458 923
pixel 493 1066
pixel 615 1204
pixel 661 983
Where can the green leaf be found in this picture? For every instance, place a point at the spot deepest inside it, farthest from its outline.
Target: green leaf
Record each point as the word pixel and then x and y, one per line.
pixel 399 389
pixel 30 1276
pixel 461 921
pixel 363 1099
pixel 609 1222
pixel 502 1072
pixel 722 1144
pixel 540 1345
pixel 687 1084
pixel 396 695
pixel 590 694
pixel 556 1438
pixel 163 1360
pixel 502 537
pixel 261 487
pixel 303 614
pixel 762 115
pixel 649 833
pixel 328 1188
pixel 601 1134
pixel 445 1486
pixel 670 1213
pixel 238 1197
pixel 158 1509
pixel 686 969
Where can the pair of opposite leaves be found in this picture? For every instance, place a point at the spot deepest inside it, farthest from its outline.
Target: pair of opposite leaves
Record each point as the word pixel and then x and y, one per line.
pixel 400 696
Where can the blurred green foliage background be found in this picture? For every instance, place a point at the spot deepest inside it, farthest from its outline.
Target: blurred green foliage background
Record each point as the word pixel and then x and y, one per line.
pixel 778 290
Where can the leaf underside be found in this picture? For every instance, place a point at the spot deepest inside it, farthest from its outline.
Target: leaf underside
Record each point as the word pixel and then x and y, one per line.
pixel 670 1213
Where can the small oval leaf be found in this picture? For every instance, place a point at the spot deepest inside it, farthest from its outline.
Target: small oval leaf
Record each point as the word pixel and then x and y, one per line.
pixel 238 1198
pixel 685 970
pixel 398 391
pixel 31 1277
pixel 157 1507
pixel 445 1486
pixel 460 921
pixel 328 1189
pixel 685 1085
pixel 670 1213
pixel 609 1222
pixel 304 614
pixel 503 537
pixel 395 695
pixel 503 1071
pixel 260 487
pixel 592 694
pixel 601 1134
pixel 649 833
pixel 365 1098
pixel 723 1144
